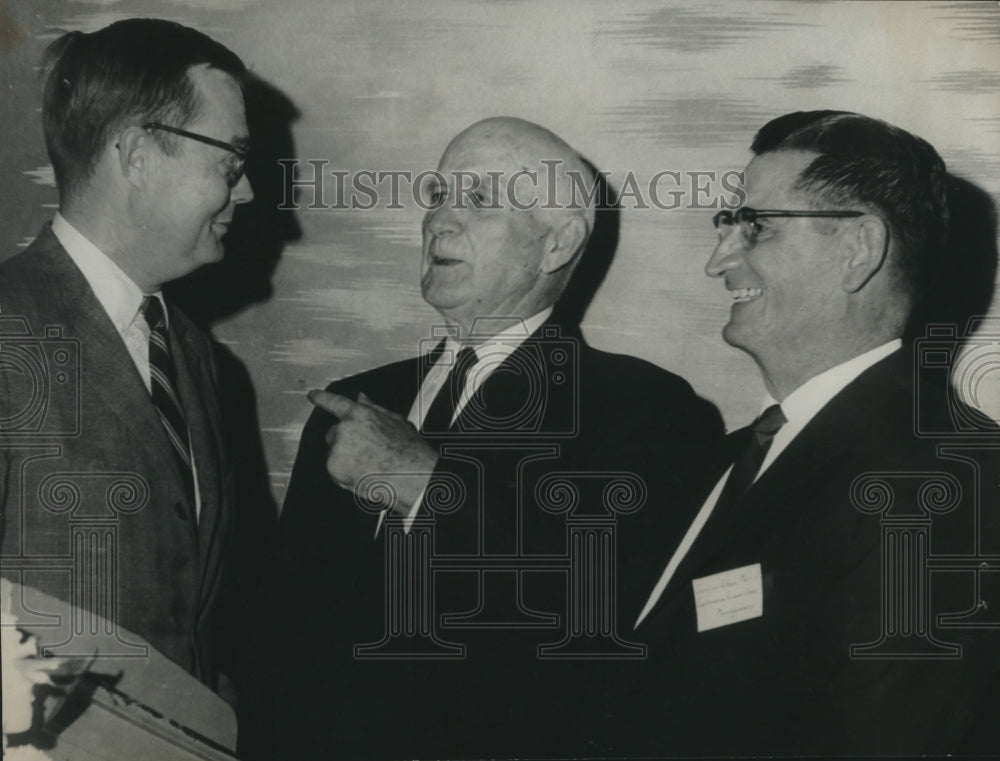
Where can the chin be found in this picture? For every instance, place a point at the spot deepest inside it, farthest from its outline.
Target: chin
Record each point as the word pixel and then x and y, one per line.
pixel 440 298
pixel 734 336
pixel 210 253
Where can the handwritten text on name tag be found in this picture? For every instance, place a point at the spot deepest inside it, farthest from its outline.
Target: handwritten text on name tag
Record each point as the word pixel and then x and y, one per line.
pixel 728 597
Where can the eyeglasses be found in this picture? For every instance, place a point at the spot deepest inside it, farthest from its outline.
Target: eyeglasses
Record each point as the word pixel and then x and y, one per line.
pixel 233 176
pixel 241 152
pixel 747 218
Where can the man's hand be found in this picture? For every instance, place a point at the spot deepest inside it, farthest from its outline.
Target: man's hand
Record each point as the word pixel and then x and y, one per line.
pixel 369 440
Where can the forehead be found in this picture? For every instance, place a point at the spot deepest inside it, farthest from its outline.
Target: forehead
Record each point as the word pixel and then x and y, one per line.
pixel 221 111
pixel 771 177
pixel 485 150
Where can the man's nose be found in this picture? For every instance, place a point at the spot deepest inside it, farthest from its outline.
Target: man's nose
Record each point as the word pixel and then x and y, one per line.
pixel 442 221
pixel 727 255
pixel 242 193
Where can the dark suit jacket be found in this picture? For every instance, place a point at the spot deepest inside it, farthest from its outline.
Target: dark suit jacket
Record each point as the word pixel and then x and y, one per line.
pixel 555 406
pixel 86 453
pixel 788 681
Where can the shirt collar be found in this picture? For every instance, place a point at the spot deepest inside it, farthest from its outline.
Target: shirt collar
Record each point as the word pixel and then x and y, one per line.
pixel 117 292
pixel 803 403
pixel 505 341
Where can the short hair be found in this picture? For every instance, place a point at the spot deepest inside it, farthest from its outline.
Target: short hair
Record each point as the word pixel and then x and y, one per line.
pixel 134 70
pixel 867 161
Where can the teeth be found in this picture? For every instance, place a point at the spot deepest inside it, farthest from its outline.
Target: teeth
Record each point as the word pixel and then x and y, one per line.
pixel 746 294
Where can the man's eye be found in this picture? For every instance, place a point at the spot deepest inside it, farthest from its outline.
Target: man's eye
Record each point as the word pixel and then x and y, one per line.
pixel 478 200
pixel 436 196
pixel 233 173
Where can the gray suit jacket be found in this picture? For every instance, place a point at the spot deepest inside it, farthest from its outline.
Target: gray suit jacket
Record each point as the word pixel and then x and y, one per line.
pixel 93 503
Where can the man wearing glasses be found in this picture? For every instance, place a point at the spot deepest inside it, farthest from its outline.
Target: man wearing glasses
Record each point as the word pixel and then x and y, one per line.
pixel 145 126
pixel 800 613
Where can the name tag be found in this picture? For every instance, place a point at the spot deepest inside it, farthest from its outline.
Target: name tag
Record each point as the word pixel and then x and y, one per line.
pixel 728 597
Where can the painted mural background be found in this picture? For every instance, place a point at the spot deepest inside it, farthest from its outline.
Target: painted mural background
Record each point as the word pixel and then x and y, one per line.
pixel 670 89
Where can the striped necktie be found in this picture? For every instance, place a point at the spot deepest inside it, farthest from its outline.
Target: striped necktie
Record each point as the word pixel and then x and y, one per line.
pixel 163 388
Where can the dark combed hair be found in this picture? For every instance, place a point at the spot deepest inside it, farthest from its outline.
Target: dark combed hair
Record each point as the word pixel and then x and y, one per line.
pixel 866 161
pixel 132 71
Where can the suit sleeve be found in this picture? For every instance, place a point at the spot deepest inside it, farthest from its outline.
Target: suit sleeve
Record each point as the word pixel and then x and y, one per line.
pixel 298 602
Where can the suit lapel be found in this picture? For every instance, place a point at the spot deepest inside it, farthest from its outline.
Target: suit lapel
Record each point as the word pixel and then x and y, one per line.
pixel 518 414
pixel 784 488
pixel 205 431
pixel 108 367
pixel 424 364
pixel 716 532
pixel 515 397
pixel 398 389
pixel 842 422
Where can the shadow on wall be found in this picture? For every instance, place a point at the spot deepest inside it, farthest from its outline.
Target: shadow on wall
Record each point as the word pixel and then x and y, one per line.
pixel 596 259
pixel 962 287
pixel 261 230
pixel 961 294
pixel 253 247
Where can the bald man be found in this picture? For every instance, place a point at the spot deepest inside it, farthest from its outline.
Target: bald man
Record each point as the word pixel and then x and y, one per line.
pixel 425 563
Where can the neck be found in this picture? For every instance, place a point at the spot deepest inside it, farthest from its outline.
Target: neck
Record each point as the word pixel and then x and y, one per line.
pixel 92 218
pixel 783 374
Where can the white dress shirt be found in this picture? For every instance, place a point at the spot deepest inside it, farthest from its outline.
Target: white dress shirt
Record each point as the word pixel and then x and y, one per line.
pixel 117 292
pixel 799 407
pixel 121 300
pixel 490 354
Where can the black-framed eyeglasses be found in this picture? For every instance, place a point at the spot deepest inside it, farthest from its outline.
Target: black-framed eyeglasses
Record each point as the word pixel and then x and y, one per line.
pixel 747 218
pixel 240 152
pixel 234 172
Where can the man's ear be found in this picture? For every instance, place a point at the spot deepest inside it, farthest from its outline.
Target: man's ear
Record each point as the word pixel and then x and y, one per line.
pixel 564 244
pixel 134 156
pixel 868 247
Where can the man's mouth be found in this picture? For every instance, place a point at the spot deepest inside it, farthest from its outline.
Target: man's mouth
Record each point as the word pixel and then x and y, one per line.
pixel 743 295
pixel 444 261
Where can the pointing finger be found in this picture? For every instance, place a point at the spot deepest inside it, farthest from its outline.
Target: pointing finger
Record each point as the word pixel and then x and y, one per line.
pixel 336 404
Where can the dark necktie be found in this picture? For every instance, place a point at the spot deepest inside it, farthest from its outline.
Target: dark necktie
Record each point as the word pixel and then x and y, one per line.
pixel 442 409
pixel 748 463
pixel 163 388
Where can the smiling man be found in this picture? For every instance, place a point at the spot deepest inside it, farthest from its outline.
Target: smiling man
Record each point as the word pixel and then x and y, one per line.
pixel 107 392
pixel 424 576
pixel 790 619
pixel 778 266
